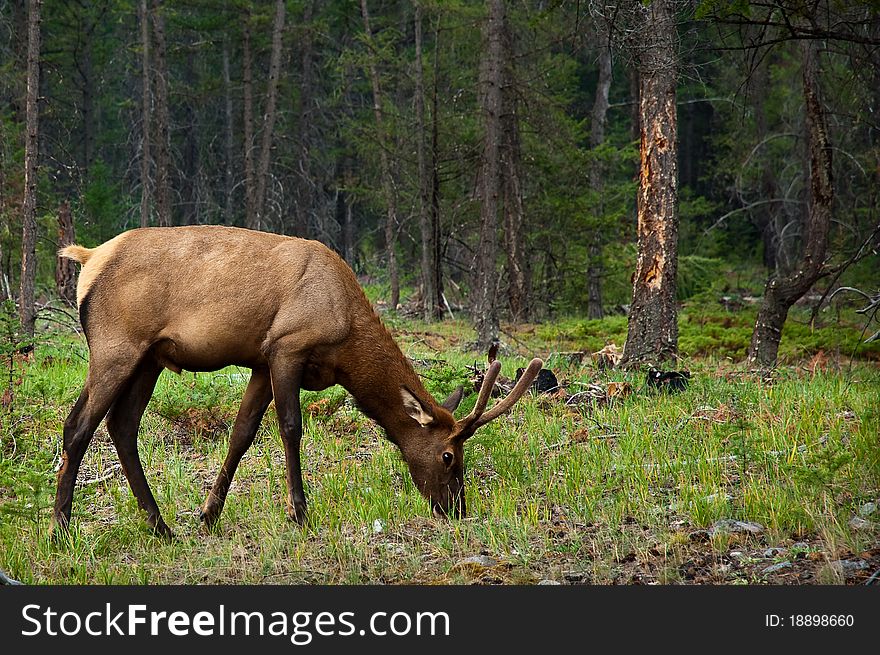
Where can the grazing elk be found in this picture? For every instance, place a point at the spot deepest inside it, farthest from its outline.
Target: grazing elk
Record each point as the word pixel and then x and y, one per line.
pixel 204 297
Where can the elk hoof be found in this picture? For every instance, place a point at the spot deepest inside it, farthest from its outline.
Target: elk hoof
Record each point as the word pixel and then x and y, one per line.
pixel 297 514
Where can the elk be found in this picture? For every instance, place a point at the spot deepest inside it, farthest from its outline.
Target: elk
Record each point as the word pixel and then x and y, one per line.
pixel 204 297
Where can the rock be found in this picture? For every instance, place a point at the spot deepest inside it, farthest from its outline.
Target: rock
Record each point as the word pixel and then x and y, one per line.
pixel 478 561
pixel 549 582
pixel 774 552
pixel 867 509
pixel 858 523
pixel 773 568
pixel 378 526
pixel 849 565
pixel 731 526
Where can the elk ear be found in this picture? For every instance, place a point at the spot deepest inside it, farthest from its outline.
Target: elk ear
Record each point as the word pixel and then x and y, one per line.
pixel 414 408
pixel 454 399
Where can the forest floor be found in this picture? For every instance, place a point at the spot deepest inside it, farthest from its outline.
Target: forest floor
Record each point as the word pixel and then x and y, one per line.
pixel 740 478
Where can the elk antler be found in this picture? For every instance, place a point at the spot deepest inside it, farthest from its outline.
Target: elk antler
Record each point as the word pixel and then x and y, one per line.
pixel 479 417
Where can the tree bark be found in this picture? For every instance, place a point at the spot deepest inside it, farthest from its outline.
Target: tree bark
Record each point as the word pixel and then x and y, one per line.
pixel 434 215
pixel 269 117
pixel 652 333
pixel 250 212
pixel 597 138
pixel 229 141
pixel 163 118
pixel 388 185
pixel 146 112
pixel 432 304
pixel 483 306
pixel 783 290
pixel 306 205
pixel 65 269
pixel 26 309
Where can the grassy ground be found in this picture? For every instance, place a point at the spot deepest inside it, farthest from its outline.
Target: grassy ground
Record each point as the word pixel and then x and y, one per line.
pixel 574 487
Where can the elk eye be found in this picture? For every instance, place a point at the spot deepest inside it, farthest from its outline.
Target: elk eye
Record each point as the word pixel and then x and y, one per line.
pixel 447 458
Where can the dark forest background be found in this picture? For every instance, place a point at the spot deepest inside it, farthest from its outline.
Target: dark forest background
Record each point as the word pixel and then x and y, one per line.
pixel 459 154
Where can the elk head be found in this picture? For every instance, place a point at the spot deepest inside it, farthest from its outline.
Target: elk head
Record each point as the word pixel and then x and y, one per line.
pixel 436 458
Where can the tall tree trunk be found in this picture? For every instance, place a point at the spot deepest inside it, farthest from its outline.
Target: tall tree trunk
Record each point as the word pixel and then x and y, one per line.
pixel 783 290
pixel 306 205
pixel 434 215
pixel 483 304
pixel 388 185
pixel 348 250
pixel 228 141
pixel 269 116
pixel 652 333
pixel 26 309
pixel 163 117
pixel 191 166
pixel 596 174
pixel 65 269
pixel 87 78
pixel 247 71
pixel 146 112
pixel 432 307
pixel 518 267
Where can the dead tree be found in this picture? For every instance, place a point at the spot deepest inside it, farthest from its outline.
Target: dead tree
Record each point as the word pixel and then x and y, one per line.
pixel 26 308
pixel 784 289
pixel 652 332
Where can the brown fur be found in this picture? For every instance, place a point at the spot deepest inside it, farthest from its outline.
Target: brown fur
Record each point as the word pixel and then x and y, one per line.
pixel 204 297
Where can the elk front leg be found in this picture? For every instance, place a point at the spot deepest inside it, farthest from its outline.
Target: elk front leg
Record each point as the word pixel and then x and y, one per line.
pixel 286 380
pixel 256 399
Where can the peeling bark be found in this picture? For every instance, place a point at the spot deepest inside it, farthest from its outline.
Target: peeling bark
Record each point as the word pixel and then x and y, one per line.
pixel 652 333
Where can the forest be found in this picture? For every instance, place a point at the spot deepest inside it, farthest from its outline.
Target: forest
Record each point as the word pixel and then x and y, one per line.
pixel 684 189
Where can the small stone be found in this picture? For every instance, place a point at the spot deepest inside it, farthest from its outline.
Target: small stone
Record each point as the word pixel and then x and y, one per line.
pixel 728 526
pixel 774 552
pixel 549 582
pixel 773 568
pixel 378 526
pixel 736 554
pixel 858 523
pixel 478 560
pixel 867 509
pixel 849 565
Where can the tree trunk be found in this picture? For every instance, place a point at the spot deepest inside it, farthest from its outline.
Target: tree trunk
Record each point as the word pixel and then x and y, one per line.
pixel 163 118
pixel 146 112
pixel 26 309
pixel 190 182
pixel 782 291
pixel 652 333
pixel 229 141
pixel 518 268
pixel 434 216
pixel 388 185
pixel 87 78
pixel 269 116
pixel 596 175
pixel 432 308
pixel 306 205
pixel 483 305
pixel 65 269
pixel 250 211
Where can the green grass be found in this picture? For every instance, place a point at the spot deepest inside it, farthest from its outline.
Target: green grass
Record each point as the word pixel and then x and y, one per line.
pixel 555 491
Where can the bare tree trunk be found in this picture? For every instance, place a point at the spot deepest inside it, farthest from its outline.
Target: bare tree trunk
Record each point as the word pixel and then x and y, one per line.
pixel 434 216
pixel 519 272
pixel 483 305
pixel 348 252
pixel 65 269
pixel 385 164
pixel 26 309
pixel 783 290
pixel 269 115
pixel 306 205
pixel 229 140
pixel 146 112
pixel 596 174
pixel 432 308
pixel 250 213
pixel 163 117
pixel 652 334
